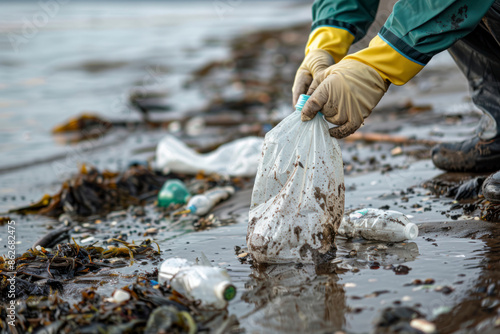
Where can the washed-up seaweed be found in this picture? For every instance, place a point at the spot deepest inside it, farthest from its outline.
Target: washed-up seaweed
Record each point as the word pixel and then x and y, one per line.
pixel 39 271
pixel 84 122
pixel 92 192
pixel 144 307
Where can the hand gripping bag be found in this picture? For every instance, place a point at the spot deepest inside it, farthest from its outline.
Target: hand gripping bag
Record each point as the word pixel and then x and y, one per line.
pixel 298 197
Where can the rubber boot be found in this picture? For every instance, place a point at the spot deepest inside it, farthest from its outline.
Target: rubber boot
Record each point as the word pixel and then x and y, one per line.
pixel 478 57
pixel 491 188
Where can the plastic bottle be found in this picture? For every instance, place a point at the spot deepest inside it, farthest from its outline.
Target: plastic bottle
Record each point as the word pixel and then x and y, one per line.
pixel 202 204
pixel 173 192
pixel 210 285
pixel 376 224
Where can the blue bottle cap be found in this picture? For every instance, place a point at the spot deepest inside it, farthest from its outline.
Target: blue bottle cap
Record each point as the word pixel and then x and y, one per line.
pixel 302 101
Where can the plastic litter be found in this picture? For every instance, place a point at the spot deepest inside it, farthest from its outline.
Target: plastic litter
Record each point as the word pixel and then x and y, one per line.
pixel 376 224
pixel 173 192
pixel 200 205
pixel 298 196
pixel 237 158
pixel 119 296
pixel 210 285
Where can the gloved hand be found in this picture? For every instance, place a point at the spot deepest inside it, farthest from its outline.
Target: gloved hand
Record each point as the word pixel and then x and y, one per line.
pixel 345 93
pixel 315 62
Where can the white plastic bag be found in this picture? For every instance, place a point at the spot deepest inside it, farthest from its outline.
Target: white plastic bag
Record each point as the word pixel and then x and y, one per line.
pixel 298 196
pixel 237 158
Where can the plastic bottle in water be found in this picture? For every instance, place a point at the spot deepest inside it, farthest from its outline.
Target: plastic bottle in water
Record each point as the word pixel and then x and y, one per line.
pixel 202 204
pixel 173 192
pixel 376 224
pixel 210 285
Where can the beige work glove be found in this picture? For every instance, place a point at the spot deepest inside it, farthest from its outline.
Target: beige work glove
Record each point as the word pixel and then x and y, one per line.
pixel 345 93
pixel 314 63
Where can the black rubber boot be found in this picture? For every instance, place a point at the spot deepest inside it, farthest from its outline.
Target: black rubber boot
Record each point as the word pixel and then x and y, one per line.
pixel 478 57
pixel 491 188
pixel 472 155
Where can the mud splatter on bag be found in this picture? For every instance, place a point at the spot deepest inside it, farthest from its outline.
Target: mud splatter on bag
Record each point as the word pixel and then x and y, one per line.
pixel 298 196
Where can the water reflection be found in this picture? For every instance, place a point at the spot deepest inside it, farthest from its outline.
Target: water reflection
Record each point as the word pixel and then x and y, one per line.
pixel 295 299
pixel 363 254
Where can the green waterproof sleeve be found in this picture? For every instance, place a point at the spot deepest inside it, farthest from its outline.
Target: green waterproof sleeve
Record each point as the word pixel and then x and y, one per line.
pixel 355 16
pixel 419 29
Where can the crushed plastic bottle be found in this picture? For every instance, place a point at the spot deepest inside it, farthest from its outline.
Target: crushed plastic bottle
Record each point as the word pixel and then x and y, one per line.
pixel 200 205
pixel 173 192
pixel 376 224
pixel 210 285
pixel 298 196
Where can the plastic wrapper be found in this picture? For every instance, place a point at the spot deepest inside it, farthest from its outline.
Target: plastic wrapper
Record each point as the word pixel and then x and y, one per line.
pixel 237 158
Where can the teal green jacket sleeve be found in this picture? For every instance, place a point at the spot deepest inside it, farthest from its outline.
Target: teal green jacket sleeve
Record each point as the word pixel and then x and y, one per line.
pixel 355 16
pixel 419 29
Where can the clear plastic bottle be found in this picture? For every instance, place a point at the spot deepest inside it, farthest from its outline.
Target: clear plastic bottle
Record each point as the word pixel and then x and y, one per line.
pixel 376 224
pixel 173 192
pixel 202 204
pixel 210 285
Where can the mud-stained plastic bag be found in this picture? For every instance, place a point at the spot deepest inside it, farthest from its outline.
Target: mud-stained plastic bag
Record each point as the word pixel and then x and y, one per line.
pixel 298 196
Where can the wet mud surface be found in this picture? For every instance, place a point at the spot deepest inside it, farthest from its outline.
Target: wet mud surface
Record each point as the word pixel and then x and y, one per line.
pixel 446 280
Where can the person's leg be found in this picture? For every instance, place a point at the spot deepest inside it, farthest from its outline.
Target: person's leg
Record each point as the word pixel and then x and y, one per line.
pixel 478 57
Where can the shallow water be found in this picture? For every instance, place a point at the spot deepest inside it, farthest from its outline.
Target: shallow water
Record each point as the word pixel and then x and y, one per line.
pixel 88 56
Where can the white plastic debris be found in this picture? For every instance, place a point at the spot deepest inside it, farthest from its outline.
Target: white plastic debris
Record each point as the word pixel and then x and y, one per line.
pixel 237 158
pixel 119 296
pixel 376 224
pixel 209 285
pixel 298 196
pixel 423 325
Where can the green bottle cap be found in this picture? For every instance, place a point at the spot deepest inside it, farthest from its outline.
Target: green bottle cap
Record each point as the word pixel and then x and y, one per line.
pixel 229 292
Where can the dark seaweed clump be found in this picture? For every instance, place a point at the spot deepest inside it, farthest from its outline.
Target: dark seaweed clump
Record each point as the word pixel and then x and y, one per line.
pixel 150 308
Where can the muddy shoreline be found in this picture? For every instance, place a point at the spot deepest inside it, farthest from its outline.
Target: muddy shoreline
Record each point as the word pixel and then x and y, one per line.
pixel 380 289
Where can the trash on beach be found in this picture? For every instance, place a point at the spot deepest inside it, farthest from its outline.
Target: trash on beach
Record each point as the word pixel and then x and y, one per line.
pixel 209 285
pixel 298 196
pixel 173 192
pixel 237 158
pixel 201 204
pixel 376 224
pixel 141 307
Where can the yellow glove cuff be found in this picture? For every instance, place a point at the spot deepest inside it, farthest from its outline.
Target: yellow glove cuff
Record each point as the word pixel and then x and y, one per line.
pixel 387 61
pixel 336 41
